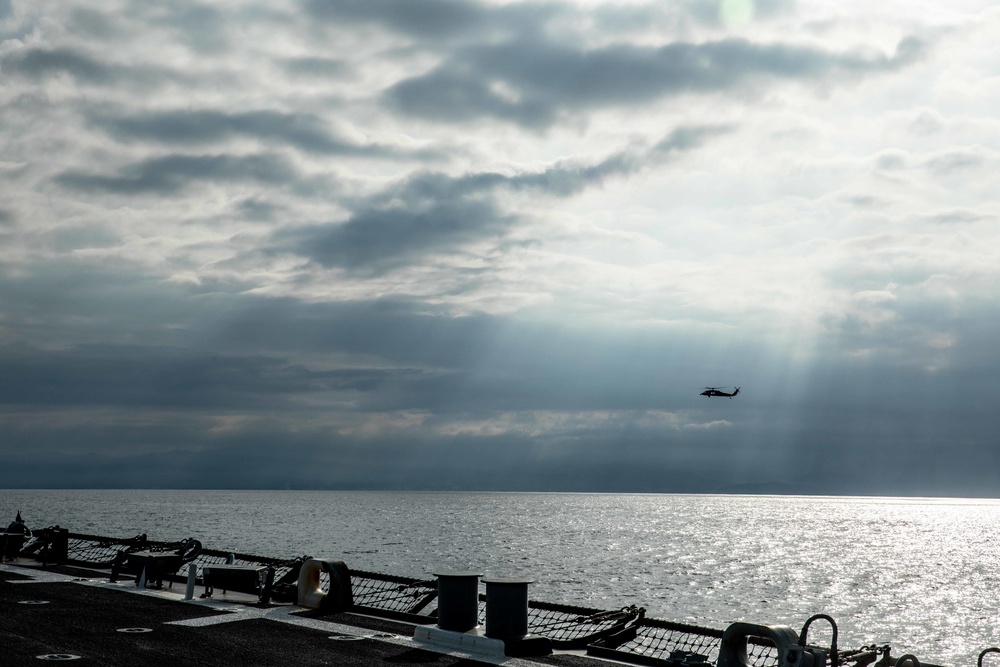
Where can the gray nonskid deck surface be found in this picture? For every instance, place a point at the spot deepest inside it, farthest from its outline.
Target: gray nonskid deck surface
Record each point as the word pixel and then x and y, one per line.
pixel 46 612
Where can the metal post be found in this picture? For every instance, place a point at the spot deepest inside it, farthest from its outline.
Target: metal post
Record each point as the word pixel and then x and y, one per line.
pixel 192 579
pixel 507 608
pixel 458 600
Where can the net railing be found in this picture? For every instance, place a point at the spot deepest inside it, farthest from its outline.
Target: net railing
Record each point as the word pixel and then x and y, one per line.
pixel 388 592
pixel 624 634
pixel 575 627
pixel 659 640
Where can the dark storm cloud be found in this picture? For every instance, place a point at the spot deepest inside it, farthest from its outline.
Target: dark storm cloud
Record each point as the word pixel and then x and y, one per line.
pixel 168 378
pixel 549 79
pixel 475 363
pixel 226 351
pixel 272 458
pixel 432 213
pixel 147 403
pixel 826 448
pixel 234 355
pixel 173 173
pixel 302 131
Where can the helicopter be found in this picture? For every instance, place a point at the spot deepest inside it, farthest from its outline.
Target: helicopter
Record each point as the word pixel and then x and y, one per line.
pixel 715 391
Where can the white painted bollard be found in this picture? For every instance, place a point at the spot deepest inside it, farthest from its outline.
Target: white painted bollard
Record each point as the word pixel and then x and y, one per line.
pixel 192 579
pixel 310 592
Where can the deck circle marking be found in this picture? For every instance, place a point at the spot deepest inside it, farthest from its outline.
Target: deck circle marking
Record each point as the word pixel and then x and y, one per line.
pixel 58 656
pixel 134 630
pixel 33 602
pixel 347 638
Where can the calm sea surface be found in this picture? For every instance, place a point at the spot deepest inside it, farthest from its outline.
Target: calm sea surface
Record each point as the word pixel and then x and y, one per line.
pixel 919 574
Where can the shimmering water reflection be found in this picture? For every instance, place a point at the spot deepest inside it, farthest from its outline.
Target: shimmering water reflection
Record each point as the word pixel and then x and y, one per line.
pixel 920 574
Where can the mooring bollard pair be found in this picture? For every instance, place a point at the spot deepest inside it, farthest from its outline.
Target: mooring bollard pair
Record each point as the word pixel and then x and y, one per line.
pixel 506 610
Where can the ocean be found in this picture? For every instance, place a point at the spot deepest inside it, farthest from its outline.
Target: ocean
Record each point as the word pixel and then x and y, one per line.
pixel 920 574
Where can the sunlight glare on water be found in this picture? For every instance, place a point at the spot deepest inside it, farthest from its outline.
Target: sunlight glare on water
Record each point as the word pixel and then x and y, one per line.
pixel 919 574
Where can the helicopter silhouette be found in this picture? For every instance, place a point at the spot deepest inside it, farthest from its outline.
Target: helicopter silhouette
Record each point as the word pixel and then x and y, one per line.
pixel 715 391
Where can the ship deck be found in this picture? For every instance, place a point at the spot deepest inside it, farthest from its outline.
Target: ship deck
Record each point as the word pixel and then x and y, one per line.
pixel 69 613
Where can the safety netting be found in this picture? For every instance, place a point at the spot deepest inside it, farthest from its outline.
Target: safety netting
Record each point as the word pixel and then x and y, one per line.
pixel 681 643
pixel 387 592
pixel 576 627
pixel 624 634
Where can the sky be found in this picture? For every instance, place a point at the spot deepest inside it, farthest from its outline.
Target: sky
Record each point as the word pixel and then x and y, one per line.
pixel 475 245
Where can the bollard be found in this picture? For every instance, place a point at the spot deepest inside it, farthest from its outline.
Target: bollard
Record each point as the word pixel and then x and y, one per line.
pixel 458 600
pixel 192 579
pixel 57 550
pixel 340 596
pixel 507 608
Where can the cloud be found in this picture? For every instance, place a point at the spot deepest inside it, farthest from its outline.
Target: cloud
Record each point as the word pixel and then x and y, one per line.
pixel 437 20
pixel 377 241
pixel 433 213
pixel 165 378
pixel 892 160
pixel 94 23
pixel 434 18
pixel 929 122
pixel 383 244
pixel 309 66
pixel 257 210
pixel 533 82
pixel 172 173
pixel 203 27
pixel 956 216
pixel 736 12
pixel 449 96
pixel 957 160
pixel 36 63
pixel 302 131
